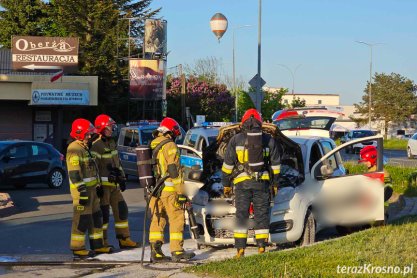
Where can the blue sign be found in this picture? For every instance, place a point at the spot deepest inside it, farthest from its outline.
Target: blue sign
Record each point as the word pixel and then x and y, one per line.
pixel 60 97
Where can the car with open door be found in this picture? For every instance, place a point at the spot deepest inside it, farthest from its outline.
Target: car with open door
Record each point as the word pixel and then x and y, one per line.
pixel 315 190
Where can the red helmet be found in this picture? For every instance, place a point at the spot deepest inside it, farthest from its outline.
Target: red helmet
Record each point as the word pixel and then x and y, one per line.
pixel 102 121
pixel 169 124
pixel 368 153
pixel 252 113
pixel 80 127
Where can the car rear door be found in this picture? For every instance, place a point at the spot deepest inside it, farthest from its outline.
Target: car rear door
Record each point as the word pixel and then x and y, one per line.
pixel 16 162
pixel 39 161
pixel 128 141
pixel 348 199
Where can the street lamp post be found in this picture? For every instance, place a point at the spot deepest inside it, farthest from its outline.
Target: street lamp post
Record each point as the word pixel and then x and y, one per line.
pixel 292 75
pixel 371 45
pixel 234 73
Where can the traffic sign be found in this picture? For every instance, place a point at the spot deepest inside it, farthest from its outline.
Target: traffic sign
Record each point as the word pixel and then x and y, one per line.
pixel 254 81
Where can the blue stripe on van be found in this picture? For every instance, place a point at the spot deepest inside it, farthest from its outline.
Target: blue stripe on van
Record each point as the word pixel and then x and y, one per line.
pixel 126 156
pixel 189 161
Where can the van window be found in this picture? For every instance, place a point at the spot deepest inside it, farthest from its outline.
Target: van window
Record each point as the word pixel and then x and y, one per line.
pixel 193 140
pixel 146 136
pixel 131 138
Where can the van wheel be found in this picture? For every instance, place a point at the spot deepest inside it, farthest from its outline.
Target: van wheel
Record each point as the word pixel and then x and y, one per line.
pixel 309 233
pixel 56 178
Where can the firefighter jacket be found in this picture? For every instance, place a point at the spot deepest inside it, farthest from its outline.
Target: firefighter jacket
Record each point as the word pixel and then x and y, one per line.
pixel 81 165
pixel 104 151
pixel 168 162
pixel 236 156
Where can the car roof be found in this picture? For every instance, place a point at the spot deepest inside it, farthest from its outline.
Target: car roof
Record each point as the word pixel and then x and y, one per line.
pixel 208 131
pixel 141 127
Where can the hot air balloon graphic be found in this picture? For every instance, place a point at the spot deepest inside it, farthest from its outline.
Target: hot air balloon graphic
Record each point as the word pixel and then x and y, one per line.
pixel 218 25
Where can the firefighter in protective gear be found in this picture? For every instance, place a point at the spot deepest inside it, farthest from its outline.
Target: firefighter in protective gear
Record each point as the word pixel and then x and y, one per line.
pixel 113 182
pixel 169 205
pixel 368 155
pixel 252 165
pixel 83 180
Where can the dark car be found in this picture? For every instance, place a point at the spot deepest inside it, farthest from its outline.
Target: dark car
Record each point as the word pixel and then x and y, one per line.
pixel 23 162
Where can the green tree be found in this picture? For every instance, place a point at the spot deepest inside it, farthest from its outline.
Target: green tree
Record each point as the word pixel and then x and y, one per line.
pixel 393 98
pixel 23 18
pixel 297 102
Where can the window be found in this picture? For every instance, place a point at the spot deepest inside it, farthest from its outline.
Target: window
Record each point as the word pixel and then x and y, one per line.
pixel 285 101
pixel 18 152
pixel 193 140
pixel 319 101
pixel 327 147
pixel 315 155
pixel 131 138
pixel 361 133
pixel 146 136
pixel 39 150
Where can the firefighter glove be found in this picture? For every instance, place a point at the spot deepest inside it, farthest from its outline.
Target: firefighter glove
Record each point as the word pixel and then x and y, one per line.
pixel 100 191
pixel 83 198
pixel 227 191
pixel 122 184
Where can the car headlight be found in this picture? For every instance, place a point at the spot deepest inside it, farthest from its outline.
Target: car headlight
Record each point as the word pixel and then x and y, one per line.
pixel 201 198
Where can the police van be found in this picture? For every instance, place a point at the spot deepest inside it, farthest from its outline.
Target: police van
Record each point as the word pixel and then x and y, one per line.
pixel 133 135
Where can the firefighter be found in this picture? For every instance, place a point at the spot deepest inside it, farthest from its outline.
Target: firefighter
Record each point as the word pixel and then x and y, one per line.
pixel 113 182
pixel 169 206
pixel 252 165
pixel 368 155
pixel 84 180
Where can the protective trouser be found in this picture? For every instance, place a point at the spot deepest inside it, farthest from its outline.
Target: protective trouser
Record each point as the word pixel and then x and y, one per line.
pixel 86 219
pixel 114 198
pixel 164 210
pixel 257 193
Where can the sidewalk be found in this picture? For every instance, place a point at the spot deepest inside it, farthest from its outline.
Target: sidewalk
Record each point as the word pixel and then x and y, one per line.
pixel 6 205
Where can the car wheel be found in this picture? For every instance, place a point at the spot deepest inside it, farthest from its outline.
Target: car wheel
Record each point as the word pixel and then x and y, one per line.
pixel 409 154
pixel 56 178
pixel 19 185
pixel 309 233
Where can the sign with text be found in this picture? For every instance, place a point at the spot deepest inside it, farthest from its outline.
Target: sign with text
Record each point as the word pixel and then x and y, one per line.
pixel 60 97
pixel 155 40
pixel 146 79
pixel 44 54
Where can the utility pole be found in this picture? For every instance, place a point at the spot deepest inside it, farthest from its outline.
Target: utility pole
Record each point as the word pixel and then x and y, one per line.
pixel 258 87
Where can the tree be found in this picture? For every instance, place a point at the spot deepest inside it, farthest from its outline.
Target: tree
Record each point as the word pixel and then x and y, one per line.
pixel 23 18
pixel 297 102
pixel 393 98
pixel 207 69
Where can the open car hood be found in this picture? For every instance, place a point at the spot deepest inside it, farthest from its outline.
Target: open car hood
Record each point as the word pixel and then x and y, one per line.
pixel 213 155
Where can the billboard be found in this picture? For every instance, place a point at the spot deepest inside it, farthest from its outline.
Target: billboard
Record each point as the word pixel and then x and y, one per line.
pixel 146 79
pixel 30 53
pixel 155 36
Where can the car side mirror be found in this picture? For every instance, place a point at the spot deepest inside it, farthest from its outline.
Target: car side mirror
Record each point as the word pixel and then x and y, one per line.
pixel 326 170
pixel 195 175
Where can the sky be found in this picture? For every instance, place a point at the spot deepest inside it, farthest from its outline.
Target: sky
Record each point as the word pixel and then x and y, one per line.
pixel 318 34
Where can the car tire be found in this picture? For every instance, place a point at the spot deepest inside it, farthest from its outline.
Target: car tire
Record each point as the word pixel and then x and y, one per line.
pixel 56 178
pixel 409 154
pixel 19 185
pixel 309 232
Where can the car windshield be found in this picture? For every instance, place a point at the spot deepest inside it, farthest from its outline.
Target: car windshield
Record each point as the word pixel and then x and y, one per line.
pixel 3 146
pixel 305 123
pixel 362 133
pixel 146 136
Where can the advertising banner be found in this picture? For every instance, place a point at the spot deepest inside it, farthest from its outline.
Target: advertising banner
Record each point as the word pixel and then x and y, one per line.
pixel 146 79
pixel 30 53
pixel 60 97
pixel 155 40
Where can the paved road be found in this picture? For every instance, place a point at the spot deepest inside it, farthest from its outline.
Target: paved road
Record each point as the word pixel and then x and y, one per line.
pixel 395 157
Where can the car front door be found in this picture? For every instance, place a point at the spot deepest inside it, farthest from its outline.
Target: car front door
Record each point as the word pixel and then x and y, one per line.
pixel 353 199
pixel 40 159
pixel 192 162
pixel 15 164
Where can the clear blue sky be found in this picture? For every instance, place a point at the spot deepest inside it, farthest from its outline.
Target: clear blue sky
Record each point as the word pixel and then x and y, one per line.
pixel 319 34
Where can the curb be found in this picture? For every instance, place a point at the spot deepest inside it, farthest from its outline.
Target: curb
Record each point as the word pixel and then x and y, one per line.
pixel 7 206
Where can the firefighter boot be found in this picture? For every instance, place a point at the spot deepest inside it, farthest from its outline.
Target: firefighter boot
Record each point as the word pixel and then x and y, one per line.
pixel 182 255
pixel 261 250
pixel 127 243
pixel 240 253
pixel 82 254
pixel 104 250
pixel 156 252
pixel 106 244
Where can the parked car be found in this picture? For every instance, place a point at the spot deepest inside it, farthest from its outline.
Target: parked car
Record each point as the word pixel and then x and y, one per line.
pixel 132 136
pixel 23 162
pixel 356 134
pixel 315 191
pixel 412 146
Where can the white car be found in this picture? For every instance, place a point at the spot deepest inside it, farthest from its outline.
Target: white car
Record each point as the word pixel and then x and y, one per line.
pixel 412 146
pixel 315 191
